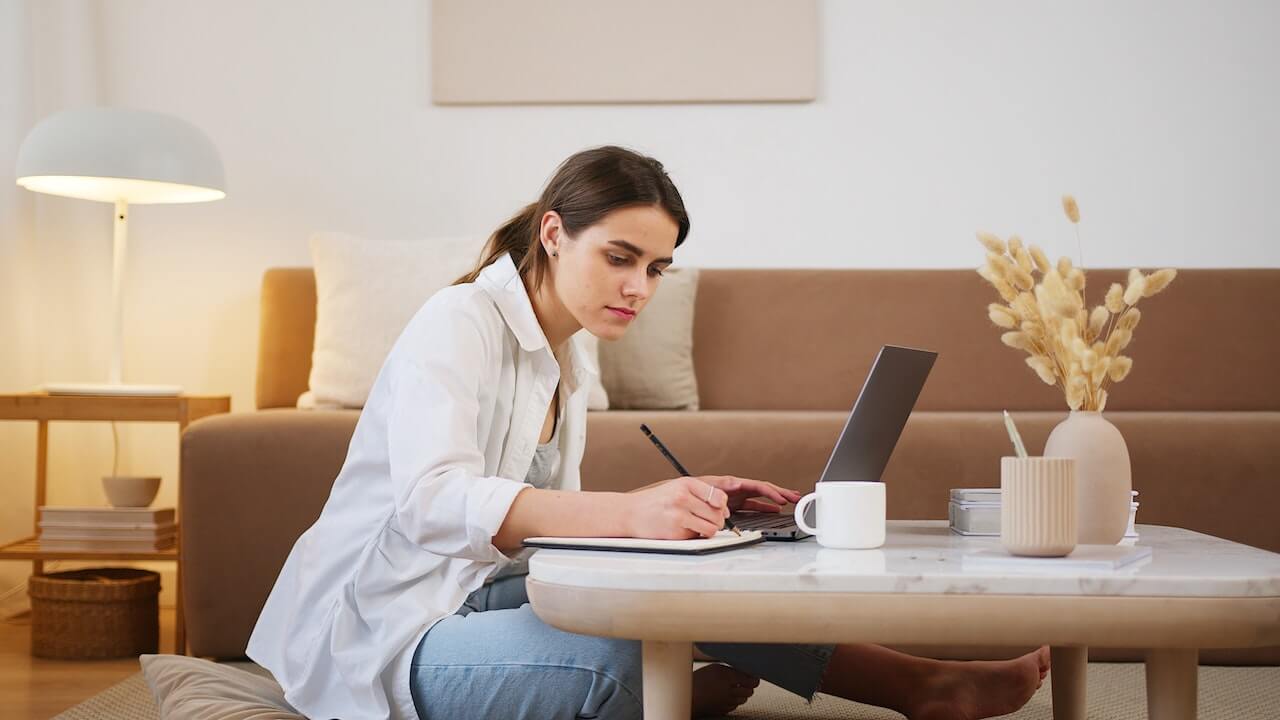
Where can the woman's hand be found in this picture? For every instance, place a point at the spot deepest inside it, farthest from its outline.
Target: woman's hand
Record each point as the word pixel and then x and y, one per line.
pixel 692 507
pixel 746 494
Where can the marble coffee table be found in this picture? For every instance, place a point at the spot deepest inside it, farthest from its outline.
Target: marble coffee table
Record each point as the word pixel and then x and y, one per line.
pixel 1195 591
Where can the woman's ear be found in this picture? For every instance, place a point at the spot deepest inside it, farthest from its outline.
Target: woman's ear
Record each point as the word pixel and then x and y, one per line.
pixel 550 232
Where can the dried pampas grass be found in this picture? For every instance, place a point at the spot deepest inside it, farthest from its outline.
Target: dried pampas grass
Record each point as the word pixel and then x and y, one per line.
pixel 1045 314
pixel 1070 207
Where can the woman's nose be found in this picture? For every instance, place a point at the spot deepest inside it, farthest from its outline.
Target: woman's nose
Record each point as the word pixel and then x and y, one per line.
pixel 635 287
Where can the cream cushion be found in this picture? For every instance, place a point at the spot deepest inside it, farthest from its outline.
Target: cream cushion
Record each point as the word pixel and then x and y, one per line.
pixel 366 293
pixel 651 366
pixel 189 688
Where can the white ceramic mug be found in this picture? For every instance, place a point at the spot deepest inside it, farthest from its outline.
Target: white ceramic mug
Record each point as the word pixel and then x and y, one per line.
pixel 851 515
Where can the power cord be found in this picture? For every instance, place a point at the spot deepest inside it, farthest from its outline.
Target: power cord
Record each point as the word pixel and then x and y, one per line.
pixel 115 448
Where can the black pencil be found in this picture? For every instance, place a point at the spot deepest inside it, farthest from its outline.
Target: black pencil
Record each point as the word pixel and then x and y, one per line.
pixel 679 468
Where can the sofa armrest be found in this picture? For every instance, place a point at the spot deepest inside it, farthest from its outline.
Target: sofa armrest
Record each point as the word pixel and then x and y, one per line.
pixel 251 484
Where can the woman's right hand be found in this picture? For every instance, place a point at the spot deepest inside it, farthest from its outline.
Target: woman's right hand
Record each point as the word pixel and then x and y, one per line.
pixel 678 509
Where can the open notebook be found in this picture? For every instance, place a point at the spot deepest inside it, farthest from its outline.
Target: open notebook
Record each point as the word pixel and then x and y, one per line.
pixel 723 540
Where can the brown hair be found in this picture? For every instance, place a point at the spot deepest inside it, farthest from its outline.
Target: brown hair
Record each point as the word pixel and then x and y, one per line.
pixel 586 187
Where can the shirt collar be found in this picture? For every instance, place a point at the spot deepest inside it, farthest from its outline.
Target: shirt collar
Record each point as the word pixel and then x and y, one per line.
pixel 502 281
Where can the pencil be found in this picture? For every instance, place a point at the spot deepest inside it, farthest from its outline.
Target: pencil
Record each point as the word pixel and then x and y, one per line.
pixel 1018 448
pixel 679 468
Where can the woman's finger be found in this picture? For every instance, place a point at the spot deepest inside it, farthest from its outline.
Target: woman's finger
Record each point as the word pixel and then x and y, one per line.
pixel 701 509
pixel 701 525
pixel 767 489
pixel 709 495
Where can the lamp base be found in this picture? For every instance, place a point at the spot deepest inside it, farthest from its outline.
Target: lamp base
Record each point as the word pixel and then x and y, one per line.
pixel 111 389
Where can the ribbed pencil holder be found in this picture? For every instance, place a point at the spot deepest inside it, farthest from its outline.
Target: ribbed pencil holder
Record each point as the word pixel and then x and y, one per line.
pixel 1038 505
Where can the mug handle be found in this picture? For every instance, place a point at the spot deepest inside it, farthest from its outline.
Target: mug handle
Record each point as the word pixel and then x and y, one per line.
pixel 800 508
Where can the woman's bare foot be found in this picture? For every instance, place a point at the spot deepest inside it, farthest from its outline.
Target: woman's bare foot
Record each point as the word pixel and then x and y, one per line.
pixel 718 689
pixel 979 689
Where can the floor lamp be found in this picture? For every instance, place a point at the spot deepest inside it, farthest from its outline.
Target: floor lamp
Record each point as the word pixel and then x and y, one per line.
pixel 122 157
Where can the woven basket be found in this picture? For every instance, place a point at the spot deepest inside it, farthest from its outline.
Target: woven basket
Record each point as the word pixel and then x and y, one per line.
pixel 95 613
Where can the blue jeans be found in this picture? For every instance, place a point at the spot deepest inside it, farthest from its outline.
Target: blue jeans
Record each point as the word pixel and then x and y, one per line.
pixel 494 658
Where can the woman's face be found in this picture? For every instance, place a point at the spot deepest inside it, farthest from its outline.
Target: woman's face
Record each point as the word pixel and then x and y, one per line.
pixel 606 273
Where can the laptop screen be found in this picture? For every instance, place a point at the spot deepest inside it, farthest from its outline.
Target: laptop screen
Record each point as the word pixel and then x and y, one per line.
pixel 862 451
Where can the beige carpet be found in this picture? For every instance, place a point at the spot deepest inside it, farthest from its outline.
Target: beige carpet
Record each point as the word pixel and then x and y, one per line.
pixel 1117 691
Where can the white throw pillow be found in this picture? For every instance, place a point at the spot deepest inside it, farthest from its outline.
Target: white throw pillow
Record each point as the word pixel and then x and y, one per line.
pixel 366 293
pixel 189 688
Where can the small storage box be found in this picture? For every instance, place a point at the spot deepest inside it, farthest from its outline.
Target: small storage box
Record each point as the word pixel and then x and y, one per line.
pixel 95 613
pixel 974 518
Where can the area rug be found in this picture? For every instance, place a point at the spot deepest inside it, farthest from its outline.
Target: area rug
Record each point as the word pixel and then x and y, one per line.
pixel 1117 691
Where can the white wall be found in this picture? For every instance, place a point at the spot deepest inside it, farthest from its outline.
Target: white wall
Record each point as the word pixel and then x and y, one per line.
pixel 934 119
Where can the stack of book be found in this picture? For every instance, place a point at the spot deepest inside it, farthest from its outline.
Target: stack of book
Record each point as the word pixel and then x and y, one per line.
pixel 976 511
pixel 106 529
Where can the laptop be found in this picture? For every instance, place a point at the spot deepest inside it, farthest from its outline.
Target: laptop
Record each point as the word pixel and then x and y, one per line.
pixel 869 435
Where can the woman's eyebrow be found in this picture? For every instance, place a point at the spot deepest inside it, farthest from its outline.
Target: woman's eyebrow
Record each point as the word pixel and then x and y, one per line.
pixel 636 251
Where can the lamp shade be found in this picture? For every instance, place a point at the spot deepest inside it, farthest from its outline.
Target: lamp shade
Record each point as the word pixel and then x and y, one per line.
pixel 112 154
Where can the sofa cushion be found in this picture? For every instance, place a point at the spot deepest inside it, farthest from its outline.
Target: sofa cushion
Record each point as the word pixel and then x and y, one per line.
pixel 366 292
pixel 194 689
pixel 792 339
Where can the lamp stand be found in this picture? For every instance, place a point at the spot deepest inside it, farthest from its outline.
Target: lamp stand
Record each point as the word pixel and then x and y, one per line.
pixel 114 386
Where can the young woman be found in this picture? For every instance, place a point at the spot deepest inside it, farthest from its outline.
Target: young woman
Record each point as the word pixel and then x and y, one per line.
pixel 406 598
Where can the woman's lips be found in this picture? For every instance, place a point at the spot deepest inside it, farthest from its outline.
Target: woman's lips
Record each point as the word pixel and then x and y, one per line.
pixel 622 313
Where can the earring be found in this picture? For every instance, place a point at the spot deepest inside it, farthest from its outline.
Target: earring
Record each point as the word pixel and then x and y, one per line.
pixel 555 254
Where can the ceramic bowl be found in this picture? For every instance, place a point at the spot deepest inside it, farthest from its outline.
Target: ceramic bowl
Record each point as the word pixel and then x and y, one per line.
pixel 130 490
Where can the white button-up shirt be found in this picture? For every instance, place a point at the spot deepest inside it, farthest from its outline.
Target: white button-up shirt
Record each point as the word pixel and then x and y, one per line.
pixel 437 458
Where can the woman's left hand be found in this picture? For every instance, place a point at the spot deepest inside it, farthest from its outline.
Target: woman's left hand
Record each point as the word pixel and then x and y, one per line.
pixel 746 494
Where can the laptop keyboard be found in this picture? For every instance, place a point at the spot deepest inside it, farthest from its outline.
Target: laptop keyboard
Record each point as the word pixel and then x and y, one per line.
pixel 762 521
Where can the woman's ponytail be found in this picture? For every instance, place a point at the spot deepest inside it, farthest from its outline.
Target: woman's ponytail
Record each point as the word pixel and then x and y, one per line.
pixel 515 236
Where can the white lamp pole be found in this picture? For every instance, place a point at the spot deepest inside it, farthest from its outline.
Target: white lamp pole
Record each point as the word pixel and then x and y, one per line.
pixel 119 246
pixel 121 157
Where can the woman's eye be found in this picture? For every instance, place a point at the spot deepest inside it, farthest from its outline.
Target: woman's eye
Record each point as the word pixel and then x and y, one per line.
pixel 617 260
pixel 655 272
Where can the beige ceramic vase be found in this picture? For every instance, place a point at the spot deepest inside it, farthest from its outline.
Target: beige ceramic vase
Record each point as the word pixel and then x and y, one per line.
pixel 1103 480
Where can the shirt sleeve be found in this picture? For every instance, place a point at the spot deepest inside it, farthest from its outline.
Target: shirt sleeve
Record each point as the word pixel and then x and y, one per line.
pixel 444 501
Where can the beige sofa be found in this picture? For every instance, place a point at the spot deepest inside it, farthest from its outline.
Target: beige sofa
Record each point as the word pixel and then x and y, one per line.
pixel 780 356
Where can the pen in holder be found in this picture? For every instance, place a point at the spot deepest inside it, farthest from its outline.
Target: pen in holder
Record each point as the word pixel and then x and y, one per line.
pixel 1037 501
pixel 1038 505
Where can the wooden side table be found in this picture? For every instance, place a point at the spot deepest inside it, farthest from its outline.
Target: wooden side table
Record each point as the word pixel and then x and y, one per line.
pixel 43 408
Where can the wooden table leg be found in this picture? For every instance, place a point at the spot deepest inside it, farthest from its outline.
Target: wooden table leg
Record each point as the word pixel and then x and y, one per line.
pixel 1172 676
pixel 42 483
pixel 668 679
pixel 1069 668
